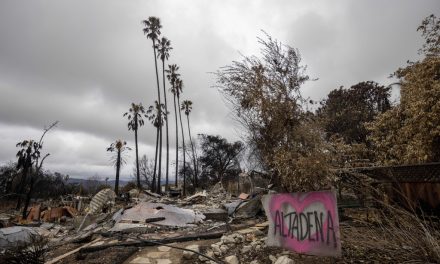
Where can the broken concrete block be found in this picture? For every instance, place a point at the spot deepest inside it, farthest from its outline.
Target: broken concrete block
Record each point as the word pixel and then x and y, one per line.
pixel 216 247
pixel 189 254
pixel 238 237
pixel 246 249
pixel 284 260
pixel 232 260
pixel 224 249
pixel 228 239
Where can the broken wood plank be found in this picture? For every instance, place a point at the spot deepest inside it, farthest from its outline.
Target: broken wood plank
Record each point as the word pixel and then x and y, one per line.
pixel 146 243
pixel 52 261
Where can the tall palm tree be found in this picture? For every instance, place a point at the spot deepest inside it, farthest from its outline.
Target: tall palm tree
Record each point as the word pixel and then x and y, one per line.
pixel 187 107
pixel 152 30
pixel 179 86
pixel 119 147
pixel 172 77
pixel 163 48
pixel 157 115
pixel 135 114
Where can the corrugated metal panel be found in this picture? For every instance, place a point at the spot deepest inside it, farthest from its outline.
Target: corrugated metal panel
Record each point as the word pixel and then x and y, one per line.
pixel 100 199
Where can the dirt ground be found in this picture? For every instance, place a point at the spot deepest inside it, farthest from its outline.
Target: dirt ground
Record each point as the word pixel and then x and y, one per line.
pixel 360 244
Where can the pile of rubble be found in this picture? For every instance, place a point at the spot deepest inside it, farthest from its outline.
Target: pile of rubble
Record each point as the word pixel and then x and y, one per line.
pixel 85 226
pixel 243 246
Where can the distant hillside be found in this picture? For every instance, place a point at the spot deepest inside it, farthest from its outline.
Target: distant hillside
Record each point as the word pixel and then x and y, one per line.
pixel 86 182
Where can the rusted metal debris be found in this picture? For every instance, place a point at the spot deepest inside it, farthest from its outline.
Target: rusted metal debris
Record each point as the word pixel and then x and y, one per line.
pixel 36 213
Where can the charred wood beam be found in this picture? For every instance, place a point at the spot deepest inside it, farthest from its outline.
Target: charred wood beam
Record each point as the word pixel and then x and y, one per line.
pixel 147 243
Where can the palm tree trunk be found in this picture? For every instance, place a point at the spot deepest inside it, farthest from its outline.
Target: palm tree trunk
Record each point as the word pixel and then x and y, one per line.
pixel 177 141
pixel 183 148
pixel 194 153
pixel 118 167
pixel 166 128
pixel 137 157
pixel 159 174
pixel 153 184
pixel 160 118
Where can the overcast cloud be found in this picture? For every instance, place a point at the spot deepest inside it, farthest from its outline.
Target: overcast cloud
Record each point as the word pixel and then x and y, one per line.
pixel 84 62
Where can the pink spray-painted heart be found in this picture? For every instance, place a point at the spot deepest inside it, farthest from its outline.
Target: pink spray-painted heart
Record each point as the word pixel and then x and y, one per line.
pixel 300 202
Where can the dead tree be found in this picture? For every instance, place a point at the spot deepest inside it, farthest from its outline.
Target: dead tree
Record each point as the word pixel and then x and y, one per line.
pixel 28 156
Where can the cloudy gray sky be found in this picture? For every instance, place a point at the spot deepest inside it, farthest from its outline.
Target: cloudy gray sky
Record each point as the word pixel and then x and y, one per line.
pixel 84 62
